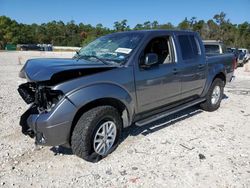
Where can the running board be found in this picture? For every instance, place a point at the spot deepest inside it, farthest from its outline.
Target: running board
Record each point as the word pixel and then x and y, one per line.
pixel 168 112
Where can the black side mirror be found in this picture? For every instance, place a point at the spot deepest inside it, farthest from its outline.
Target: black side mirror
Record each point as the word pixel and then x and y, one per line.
pixel 150 59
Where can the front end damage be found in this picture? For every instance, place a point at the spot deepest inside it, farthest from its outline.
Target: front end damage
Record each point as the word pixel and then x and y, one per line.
pixel 37 121
pixel 51 112
pixel 42 96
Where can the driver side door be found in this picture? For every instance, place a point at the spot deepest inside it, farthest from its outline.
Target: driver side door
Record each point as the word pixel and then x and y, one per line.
pixel 159 84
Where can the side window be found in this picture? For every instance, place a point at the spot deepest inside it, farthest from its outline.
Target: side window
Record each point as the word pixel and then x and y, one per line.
pixel 162 47
pixel 189 45
pixel 195 45
pixel 186 48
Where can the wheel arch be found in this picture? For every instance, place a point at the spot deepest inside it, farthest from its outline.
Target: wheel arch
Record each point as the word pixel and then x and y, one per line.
pixel 107 101
pixel 220 75
pixel 217 74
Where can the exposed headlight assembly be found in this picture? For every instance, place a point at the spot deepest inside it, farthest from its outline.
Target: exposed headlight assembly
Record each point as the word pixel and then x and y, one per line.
pixel 46 98
pixel 43 97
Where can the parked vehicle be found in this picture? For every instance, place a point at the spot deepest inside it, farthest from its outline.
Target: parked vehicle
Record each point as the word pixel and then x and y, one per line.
pixel 235 52
pixel 45 47
pixel 230 50
pixel 26 47
pixel 116 81
pixel 214 47
pixel 243 57
pixel 36 47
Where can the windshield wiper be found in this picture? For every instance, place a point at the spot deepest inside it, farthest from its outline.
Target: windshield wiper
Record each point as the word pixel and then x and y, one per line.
pixel 90 56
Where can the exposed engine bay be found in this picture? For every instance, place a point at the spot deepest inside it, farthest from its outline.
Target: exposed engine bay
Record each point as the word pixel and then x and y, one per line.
pixel 40 95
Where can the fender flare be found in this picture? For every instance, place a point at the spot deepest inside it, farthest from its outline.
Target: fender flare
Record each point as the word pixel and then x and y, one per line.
pixel 212 73
pixel 88 94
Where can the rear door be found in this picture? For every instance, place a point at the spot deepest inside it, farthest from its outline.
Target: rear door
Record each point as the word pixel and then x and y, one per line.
pixel 193 65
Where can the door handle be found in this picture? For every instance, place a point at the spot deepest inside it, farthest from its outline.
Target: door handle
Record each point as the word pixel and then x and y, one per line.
pixel 175 71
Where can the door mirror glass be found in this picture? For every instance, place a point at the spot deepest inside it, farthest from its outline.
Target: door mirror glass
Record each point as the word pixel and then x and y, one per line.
pixel 151 59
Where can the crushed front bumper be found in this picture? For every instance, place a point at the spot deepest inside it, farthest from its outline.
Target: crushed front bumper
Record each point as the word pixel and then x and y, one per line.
pixel 50 128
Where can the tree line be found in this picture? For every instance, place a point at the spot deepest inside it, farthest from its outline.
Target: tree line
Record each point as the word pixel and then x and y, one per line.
pixel 71 34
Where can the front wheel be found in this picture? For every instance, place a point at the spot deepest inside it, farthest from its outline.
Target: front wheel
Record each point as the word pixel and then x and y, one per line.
pixel 97 133
pixel 214 96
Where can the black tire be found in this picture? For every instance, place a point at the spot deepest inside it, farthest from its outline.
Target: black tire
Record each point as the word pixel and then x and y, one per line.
pixel 208 105
pixel 83 134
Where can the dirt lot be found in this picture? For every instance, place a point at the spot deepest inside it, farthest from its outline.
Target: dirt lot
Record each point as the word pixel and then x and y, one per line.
pixel 190 149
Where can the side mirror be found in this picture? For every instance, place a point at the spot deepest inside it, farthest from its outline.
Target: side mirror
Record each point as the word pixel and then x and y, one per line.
pixel 151 59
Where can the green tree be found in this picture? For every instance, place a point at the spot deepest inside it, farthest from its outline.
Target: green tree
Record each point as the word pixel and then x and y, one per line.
pixel 154 25
pixel 185 24
pixel 166 26
pixel 121 26
pixel 138 27
pixel 147 25
pixel 72 34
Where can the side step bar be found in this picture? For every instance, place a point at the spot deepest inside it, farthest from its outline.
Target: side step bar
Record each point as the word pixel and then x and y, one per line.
pixel 168 112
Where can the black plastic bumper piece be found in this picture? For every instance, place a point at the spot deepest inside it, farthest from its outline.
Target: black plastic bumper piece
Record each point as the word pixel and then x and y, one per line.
pixel 26 130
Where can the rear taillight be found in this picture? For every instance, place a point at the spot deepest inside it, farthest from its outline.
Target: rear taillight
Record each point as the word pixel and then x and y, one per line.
pixel 234 63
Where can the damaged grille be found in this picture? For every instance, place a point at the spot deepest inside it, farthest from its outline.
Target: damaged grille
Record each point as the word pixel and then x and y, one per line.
pixel 41 96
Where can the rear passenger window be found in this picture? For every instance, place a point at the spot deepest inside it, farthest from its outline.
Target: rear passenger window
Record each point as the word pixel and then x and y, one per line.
pixel 189 46
pixel 186 48
pixel 195 45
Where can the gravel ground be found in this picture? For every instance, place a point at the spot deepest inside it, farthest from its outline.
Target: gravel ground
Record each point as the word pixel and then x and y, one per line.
pixel 190 149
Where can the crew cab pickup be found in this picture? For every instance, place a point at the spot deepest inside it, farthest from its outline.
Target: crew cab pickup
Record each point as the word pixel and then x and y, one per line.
pixel 120 79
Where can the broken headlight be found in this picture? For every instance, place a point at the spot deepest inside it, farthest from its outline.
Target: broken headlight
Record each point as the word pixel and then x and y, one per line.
pixel 43 97
pixel 46 98
pixel 27 92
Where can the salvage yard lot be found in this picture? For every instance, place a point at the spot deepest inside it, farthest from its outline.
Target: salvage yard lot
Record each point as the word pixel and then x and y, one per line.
pixel 193 148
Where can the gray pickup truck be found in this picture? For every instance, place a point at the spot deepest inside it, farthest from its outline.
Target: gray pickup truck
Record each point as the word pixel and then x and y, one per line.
pixel 120 79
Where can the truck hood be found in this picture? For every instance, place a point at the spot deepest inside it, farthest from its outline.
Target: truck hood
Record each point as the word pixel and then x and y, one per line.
pixel 36 70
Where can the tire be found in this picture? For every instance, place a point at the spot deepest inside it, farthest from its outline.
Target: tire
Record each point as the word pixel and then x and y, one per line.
pixel 85 132
pixel 210 104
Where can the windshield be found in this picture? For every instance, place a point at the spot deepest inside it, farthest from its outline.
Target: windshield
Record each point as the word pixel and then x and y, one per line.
pixel 114 48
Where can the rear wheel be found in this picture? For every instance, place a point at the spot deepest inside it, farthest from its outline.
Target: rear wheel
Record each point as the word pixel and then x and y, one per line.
pixel 97 133
pixel 214 96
